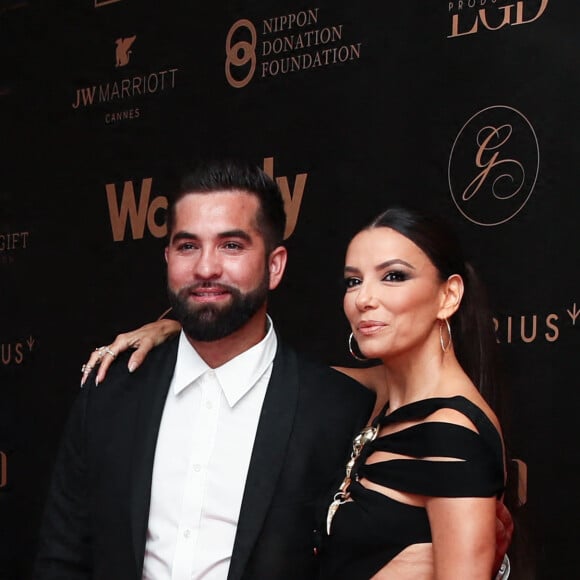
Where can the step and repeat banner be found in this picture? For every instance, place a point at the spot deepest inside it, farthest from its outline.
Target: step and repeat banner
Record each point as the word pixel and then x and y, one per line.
pixel 466 107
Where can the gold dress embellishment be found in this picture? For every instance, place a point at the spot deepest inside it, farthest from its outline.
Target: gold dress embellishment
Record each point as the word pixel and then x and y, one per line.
pixel 342 495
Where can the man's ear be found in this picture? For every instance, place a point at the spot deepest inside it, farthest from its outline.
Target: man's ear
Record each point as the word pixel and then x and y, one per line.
pixel 452 293
pixel 277 265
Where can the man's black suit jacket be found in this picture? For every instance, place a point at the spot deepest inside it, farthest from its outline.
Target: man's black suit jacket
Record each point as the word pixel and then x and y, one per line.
pixel 95 519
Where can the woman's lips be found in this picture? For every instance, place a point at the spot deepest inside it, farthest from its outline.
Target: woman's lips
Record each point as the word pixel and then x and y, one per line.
pixel 370 326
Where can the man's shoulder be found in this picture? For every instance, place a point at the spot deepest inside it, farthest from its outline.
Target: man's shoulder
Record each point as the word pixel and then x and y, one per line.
pixel 322 377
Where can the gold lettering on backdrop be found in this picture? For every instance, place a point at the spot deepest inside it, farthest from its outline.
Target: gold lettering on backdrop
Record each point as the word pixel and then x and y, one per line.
pixel 504 22
pixel 489 140
pixel 455 27
pixel 143 212
pixel 3 469
pixel 85 97
pixel 138 215
pixel 520 13
pixel 525 337
pixel 289 21
pixel 13 241
pixel 292 201
pixel 127 88
pixel 573 314
pixel 241 53
pixel 506 328
pixel 556 332
pixel 482 16
pixel 12 353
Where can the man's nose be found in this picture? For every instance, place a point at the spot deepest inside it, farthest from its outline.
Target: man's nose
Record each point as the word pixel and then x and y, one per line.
pixel 209 265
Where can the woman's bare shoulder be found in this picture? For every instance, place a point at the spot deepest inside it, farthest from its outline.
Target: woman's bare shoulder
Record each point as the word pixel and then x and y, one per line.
pixel 372 378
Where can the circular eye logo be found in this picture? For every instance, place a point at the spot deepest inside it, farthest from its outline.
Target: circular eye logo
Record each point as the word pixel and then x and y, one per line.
pixel 493 165
pixel 241 54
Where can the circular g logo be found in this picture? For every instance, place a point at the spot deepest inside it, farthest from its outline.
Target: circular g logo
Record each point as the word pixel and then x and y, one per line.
pixel 493 165
pixel 241 53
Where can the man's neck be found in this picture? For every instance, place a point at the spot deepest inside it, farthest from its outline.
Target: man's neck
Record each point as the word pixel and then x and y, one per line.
pixel 215 353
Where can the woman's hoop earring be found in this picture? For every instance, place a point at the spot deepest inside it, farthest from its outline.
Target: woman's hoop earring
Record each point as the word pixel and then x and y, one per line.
pixel 445 347
pixel 352 351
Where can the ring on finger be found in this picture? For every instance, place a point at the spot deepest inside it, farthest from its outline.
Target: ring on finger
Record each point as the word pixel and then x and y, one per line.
pixel 109 351
pixel 86 369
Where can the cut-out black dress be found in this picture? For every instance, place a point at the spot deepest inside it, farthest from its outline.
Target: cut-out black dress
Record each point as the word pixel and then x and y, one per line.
pixel 369 531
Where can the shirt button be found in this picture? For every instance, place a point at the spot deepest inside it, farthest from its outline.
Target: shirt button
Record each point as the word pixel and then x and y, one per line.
pixel 209 405
pixel 186 533
pixel 197 468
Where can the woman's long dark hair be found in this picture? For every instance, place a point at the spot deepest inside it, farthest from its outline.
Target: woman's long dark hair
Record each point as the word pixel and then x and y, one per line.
pixel 474 343
pixel 472 325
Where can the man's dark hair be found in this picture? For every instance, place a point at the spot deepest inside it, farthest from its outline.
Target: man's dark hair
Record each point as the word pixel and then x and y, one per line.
pixel 237 175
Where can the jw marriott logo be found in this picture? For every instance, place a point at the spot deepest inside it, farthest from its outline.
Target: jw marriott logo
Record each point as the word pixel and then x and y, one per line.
pixel 127 88
pixel 123 52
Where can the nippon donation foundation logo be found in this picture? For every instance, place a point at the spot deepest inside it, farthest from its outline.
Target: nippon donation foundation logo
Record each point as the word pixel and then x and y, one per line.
pixel 290 43
pixel 493 165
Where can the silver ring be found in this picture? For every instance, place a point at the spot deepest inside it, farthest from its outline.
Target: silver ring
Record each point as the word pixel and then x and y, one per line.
pixel 85 369
pixel 109 351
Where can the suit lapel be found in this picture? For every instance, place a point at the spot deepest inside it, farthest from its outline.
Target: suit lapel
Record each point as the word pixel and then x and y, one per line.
pixel 151 391
pixel 268 456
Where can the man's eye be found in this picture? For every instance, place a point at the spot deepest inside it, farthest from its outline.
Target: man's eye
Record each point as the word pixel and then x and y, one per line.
pixel 232 246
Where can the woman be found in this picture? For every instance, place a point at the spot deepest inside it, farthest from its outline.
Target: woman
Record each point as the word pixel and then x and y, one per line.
pixel 431 466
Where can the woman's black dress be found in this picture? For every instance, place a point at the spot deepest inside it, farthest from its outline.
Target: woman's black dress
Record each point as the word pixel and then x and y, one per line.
pixel 369 531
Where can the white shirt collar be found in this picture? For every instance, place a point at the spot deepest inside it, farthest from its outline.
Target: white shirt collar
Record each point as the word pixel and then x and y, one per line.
pixel 236 377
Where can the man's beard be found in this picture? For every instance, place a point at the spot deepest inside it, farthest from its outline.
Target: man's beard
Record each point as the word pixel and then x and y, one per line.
pixel 208 322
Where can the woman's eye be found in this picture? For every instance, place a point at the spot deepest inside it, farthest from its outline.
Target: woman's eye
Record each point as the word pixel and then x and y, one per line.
pixel 351 282
pixel 395 276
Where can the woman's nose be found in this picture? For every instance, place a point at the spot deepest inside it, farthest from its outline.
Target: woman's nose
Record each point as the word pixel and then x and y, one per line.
pixel 365 297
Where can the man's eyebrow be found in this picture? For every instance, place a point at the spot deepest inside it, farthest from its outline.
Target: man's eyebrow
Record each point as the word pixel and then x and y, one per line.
pixel 241 234
pixel 235 234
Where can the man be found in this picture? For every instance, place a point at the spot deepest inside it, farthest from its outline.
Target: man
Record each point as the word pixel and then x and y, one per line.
pixel 210 462
pixel 214 461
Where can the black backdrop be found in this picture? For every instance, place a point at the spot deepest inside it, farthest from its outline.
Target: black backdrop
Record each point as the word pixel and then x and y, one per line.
pixel 468 108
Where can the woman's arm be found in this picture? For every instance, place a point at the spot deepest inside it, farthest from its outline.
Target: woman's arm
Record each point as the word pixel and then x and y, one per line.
pixel 464 537
pixel 152 334
pixel 142 339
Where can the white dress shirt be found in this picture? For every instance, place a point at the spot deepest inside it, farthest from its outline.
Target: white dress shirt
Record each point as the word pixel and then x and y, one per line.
pixel 201 462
